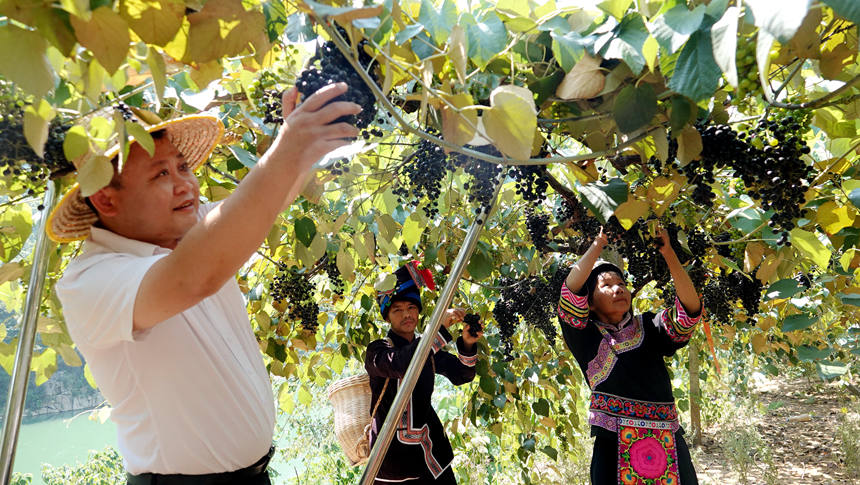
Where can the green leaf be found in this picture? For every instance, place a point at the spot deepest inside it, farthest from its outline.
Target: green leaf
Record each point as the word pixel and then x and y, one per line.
pixel 438 22
pixel 849 299
pixel 674 27
pixel 781 22
pixel 486 38
pixel 541 407
pixel 809 244
pixel 696 73
pixel 550 452
pixel 412 229
pixel 630 37
pixel 849 9
pixel 245 157
pixel 854 197
pixel 616 8
pixel 76 142
pixel 603 199
pixel 141 136
pixel 34 75
pixel 305 230
pixel 782 289
pixel 567 49
pixel 798 322
pixel 500 400
pixel 106 34
pixel 635 107
pixel 724 37
pixel 305 396
pixel 94 174
pixel 488 385
pixel 480 266
pixel 808 353
pixel 831 370
pixel 682 113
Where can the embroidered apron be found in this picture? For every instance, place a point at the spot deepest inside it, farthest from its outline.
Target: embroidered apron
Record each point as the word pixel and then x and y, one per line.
pixel 646 434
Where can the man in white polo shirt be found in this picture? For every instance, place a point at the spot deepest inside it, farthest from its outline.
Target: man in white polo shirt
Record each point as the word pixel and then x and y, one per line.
pixel 152 301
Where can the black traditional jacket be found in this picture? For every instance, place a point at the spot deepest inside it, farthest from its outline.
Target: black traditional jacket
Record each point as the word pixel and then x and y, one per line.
pixel 624 365
pixel 419 448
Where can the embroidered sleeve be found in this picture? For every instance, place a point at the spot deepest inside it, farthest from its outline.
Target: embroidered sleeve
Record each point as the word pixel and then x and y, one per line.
pixel 573 308
pixel 460 369
pixel 467 357
pixel 679 325
pixel 441 340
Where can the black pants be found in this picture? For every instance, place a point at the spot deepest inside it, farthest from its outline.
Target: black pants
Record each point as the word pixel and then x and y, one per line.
pixel 256 474
pixel 446 478
pixel 604 461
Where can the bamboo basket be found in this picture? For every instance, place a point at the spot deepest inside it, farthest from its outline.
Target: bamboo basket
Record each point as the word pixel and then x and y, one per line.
pixel 351 398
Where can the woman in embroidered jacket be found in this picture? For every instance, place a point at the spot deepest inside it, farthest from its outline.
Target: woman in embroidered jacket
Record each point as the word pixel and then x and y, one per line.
pixel 632 412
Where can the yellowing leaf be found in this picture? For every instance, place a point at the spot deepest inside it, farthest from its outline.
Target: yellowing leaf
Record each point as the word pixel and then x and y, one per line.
pixel 629 212
pixel 203 74
pixel 223 28
pixel 412 229
pixel 511 120
pixel 844 260
pixel 23 60
pixel 458 124
pixel 759 343
pixel 834 218
pixel 753 254
pixel 662 193
pixel 809 245
pixel 586 80
pixel 9 272
pixel 155 21
pixel 457 51
pixel 768 267
pixel 689 145
pixel 661 144
pixel 106 35
pixel 346 265
pixel 94 174
pixel 37 119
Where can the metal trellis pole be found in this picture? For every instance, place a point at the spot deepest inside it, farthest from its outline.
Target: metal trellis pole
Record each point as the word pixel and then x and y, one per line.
pixel 26 338
pixel 383 441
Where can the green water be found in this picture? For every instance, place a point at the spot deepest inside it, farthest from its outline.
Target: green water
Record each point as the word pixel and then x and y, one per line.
pixel 60 439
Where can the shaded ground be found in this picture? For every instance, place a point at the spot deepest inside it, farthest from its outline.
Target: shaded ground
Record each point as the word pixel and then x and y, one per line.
pixel 798 428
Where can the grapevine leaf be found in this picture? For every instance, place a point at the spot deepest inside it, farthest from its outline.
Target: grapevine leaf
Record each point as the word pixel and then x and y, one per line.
pixel 616 8
pixel 511 121
pixel 850 299
pixel 780 22
pixel 567 49
pixel 245 157
pixel 37 120
pixel 809 244
pixel 724 36
pixel 155 21
pixel 764 41
pixel 689 145
pixel 541 407
pixel 457 52
pixel 550 452
pixel 94 174
pixel 808 353
pixel 831 370
pixel 106 35
pixel 486 38
pixel 500 400
pixel 849 9
pixel 782 289
pixel 459 124
pixel 696 73
pixel 33 76
pixel 674 27
pixel 224 28
pixel 412 230
pixel 438 21
pixel 798 322
pixel 346 265
pixel 141 136
pixel 488 385
pixel 631 35
pixel 603 199
pixel 833 218
pixel 305 230
pixel 299 28
pixel 634 107
pixel 682 113
pixel 630 212
pixel 304 396
pixel 480 267
pixel 9 272
pixel 854 197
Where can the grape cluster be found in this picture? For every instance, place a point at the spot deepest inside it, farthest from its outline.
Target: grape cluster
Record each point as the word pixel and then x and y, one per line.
pixel 333 68
pixel 125 111
pixel 421 177
pixel 769 161
pixel 533 299
pixel 748 83
pixel 721 294
pixel 537 225
pixel 531 181
pixel 474 323
pixel 296 289
pixel 482 183
pixel 334 277
pixel 17 158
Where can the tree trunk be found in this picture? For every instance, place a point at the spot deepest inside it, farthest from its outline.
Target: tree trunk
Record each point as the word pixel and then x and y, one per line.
pixel 695 396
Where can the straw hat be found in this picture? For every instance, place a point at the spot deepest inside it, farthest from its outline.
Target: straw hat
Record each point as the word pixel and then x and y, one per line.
pixel 195 136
